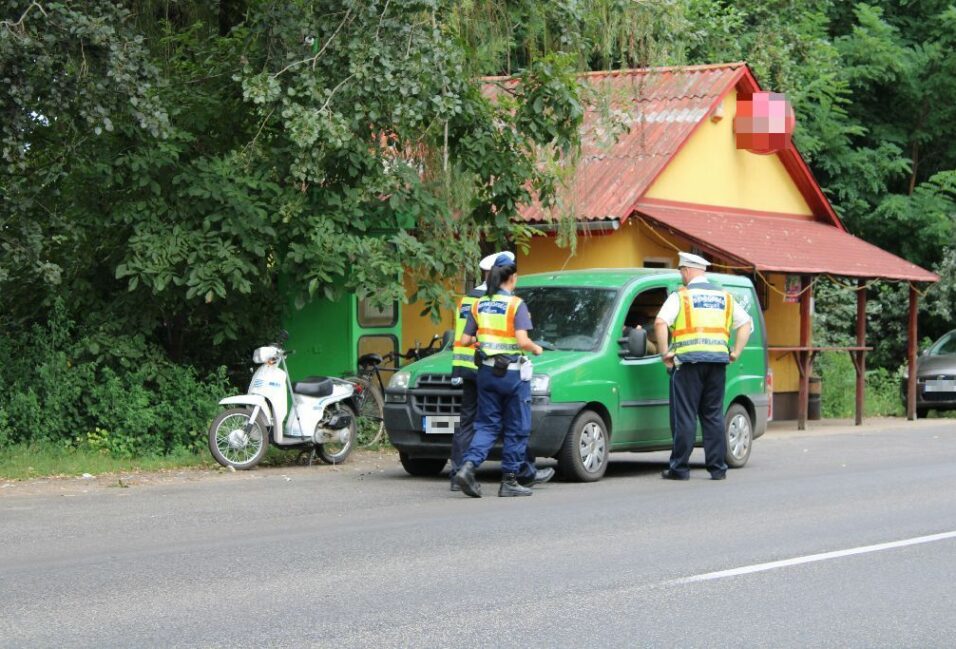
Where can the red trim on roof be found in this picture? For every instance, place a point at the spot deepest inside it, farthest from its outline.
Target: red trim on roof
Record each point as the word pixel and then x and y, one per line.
pixel 779 243
pixel 704 207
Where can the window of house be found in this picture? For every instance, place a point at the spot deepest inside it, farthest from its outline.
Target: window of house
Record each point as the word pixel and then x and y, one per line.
pixel 377 316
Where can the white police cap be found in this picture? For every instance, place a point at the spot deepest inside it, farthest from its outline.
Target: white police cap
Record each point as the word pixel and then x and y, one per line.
pixel 687 260
pixel 489 261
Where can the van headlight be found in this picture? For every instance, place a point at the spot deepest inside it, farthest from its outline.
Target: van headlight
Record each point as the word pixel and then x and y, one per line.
pixel 540 384
pixel 399 381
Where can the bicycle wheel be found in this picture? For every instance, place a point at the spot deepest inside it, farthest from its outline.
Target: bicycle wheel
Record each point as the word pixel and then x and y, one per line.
pixel 371 423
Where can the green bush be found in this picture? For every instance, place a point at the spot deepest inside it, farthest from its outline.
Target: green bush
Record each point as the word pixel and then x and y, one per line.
pixel 838 389
pixel 101 390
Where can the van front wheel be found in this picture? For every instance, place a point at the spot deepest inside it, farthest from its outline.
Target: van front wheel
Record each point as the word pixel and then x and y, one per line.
pixel 739 434
pixel 584 455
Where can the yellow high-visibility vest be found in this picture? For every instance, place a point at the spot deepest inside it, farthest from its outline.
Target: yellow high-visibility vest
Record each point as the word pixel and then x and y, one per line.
pixel 701 332
pixel 495 317
pixel 463 355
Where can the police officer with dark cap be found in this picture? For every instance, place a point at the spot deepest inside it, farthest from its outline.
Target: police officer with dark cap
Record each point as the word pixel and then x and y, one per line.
pixel 465 375
pixel 500 322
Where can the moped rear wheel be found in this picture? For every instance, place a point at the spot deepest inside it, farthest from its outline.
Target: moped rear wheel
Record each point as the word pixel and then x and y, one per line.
pixel 336 452
pixel 233 442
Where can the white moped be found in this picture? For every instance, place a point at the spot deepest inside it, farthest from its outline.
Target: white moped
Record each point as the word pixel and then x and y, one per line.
pixel 321 420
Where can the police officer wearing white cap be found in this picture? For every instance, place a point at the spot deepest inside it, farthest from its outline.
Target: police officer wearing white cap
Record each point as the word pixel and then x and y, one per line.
pixel 701 317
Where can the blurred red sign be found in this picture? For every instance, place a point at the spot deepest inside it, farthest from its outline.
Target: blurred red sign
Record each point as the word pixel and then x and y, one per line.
pixel 764 122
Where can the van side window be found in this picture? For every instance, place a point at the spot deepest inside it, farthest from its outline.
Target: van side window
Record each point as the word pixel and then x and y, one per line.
pixel 643 312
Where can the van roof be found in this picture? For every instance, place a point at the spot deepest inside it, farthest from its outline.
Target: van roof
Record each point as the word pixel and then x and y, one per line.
pixel 615 277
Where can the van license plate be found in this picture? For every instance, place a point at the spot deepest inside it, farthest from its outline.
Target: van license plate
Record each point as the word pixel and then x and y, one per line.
pixel 938 385
pixel 440 425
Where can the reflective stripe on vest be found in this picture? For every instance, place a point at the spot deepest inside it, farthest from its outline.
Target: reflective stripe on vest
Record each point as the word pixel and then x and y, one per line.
pixel 463 355
pixel 495 317
pixel 702 329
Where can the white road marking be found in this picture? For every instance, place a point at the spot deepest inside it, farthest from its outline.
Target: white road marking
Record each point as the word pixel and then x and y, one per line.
pixel 811 558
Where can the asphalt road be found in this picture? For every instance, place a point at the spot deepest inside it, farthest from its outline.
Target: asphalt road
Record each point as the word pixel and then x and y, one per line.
pixel 365 556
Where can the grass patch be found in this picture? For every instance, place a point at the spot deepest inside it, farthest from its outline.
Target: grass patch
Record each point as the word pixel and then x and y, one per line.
pixel 26 461
pixel 882 395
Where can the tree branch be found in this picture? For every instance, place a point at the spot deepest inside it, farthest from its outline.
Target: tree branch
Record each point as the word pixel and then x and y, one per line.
pixel 315 59
pixel 9 25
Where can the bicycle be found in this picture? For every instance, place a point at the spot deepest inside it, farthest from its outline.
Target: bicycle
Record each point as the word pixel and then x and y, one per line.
pixel 370 397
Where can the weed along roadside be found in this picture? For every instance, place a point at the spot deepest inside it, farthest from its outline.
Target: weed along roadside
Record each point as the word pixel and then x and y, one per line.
pixel 43 471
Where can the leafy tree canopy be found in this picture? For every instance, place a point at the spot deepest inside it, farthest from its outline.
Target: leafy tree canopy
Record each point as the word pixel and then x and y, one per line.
pixel 167 163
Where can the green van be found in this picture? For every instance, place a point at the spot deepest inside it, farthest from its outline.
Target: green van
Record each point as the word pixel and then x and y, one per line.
pixel 597 387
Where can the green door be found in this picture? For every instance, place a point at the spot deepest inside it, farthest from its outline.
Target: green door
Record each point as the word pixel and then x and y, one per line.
pixel 644 417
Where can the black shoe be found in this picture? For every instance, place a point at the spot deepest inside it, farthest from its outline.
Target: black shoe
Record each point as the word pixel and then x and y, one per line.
pixel 510 487
pixel 466 480
pixel 668 474
pixel 718 476
pixel 540 477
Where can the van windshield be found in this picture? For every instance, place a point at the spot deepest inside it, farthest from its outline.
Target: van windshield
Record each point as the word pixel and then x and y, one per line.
pixel 568 318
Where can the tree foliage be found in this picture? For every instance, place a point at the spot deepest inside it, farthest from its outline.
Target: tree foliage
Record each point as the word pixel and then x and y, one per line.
pixel 167 164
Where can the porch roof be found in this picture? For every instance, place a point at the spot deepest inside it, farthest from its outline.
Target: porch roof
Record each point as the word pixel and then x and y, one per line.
pixel 779 243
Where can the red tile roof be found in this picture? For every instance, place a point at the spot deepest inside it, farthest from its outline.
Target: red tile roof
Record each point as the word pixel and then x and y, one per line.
pixel 770 242
pixel 658 108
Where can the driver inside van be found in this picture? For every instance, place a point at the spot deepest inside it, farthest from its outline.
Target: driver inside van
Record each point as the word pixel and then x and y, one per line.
pixel 641 319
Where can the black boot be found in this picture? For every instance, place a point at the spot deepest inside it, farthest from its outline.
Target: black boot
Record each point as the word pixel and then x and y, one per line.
pixel 467 481
pixel 510 487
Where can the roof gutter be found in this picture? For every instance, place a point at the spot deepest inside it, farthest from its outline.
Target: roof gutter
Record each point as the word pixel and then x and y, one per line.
pixel 586 227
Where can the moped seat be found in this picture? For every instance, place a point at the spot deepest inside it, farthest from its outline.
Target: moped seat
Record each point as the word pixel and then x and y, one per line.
pixel 313 386
pixel 369 359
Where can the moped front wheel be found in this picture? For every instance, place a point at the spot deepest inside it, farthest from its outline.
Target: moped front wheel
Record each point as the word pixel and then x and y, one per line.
pixel 237 441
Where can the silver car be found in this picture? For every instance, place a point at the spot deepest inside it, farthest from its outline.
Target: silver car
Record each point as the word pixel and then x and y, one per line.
pixel 936 376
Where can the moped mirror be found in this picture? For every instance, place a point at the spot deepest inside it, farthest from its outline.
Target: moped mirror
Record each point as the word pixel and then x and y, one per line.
pixel 283 335
pixel 447 338
pixel 637 343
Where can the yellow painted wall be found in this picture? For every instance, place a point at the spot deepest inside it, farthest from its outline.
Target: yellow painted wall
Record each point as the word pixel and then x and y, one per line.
pixel 625 248
pixel 712 171
pixel 420 328
pixel 783 328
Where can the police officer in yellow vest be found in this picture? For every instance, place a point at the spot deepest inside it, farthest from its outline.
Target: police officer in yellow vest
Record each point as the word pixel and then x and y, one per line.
pixel 500 323
pixel 464 372
pixel 465 375
pixel 701 317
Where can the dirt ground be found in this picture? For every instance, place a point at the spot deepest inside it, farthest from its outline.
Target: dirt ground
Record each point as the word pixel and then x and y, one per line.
pixel 361 461
pixel 365 461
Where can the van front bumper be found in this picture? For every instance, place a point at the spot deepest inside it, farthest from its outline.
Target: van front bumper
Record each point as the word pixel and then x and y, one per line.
pixel 550 422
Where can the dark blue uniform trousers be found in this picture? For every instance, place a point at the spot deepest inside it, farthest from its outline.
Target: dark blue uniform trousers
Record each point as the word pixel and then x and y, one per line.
pixel 697 389
pixel 504 405
pixel 465 432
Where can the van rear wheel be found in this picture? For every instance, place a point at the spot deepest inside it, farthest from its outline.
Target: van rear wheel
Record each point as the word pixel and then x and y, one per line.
pixel 584 455
pixel 738 430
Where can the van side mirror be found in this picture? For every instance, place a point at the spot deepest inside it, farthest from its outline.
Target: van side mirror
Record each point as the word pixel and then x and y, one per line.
pixel 447 338
pixel 637 343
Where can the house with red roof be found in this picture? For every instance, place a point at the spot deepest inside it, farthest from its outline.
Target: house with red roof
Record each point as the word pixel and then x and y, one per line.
pixel 662 169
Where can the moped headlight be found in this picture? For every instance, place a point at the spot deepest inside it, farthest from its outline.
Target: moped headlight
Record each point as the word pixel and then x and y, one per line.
pixel 399 381
pixel 264 354
pixel 540 384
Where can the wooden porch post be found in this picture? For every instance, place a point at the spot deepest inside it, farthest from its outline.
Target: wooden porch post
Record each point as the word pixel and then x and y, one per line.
pixel 859 356
pixel 911 357
pixel 804 356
